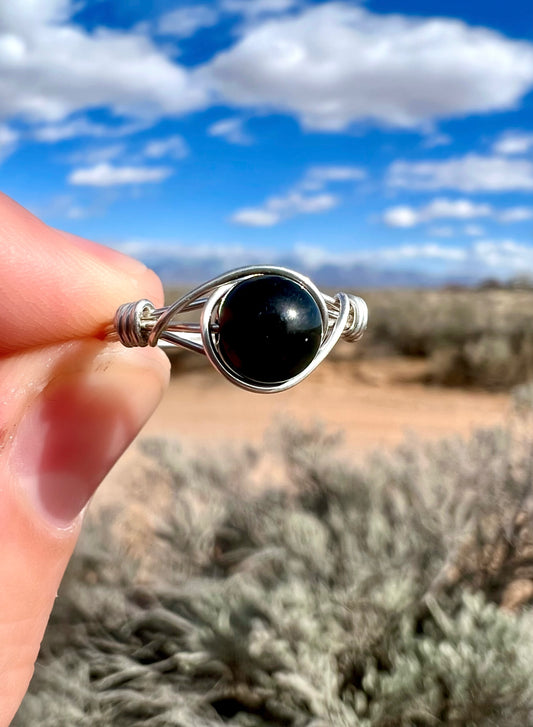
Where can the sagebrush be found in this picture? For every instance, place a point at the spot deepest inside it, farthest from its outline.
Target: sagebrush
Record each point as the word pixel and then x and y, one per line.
pixel 480 338
pixel 390 594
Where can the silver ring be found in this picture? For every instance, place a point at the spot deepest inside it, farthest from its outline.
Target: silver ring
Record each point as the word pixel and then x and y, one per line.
pixel 265 328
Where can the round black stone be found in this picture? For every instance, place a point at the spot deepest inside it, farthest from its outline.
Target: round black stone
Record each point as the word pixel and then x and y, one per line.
pixel 270 329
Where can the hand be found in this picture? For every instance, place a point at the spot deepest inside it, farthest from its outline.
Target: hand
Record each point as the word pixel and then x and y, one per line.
pixel 69 406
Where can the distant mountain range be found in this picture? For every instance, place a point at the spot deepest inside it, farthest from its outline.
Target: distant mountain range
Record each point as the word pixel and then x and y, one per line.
pixel 176 268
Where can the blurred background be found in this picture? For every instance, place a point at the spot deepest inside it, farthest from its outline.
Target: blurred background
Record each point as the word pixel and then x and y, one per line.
pixel 284 574
pixel 371 146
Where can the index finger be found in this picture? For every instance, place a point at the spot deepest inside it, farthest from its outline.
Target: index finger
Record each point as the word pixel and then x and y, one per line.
pixel 55 287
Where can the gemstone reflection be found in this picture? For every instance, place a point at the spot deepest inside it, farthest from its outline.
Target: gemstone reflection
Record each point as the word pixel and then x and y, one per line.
pixel 270 329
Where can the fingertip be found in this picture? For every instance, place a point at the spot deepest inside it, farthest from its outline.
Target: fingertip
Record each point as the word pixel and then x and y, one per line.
pixel 56 286
pixel 144 278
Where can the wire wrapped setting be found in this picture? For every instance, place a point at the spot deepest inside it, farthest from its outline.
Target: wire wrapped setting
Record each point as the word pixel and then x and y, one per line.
pixel 141 324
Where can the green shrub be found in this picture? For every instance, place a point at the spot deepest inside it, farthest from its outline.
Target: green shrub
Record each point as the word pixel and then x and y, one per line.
pixel 360 595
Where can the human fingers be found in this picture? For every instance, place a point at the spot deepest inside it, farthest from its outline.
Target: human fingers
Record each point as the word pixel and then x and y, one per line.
pixel 55 286
pixel 67 412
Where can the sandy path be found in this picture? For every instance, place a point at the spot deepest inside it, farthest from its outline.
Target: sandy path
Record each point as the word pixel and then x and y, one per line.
pixel 373 403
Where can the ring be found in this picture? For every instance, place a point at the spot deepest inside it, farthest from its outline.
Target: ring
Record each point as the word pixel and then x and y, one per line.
pixel 265 328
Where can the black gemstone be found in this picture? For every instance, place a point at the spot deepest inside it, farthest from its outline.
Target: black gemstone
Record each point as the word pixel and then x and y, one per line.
pixel 270 329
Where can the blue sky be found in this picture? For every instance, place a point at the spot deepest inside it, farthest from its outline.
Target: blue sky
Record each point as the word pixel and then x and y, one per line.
pixel 392 133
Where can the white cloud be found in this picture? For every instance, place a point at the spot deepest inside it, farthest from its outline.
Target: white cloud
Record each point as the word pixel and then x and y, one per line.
pixel 232 130
pixel 334 64
pixel 256 217
pixel 29 14
pixel 429 250
pixel 277 209
pixel 106 175
pixel 513 142
pixel 50 68
pixel 439 208
pixel 401 216
pixel 173 147
pixel 8 141
pixel 460 209
pixel 516 214
pixel 185 22
pixel 432 251
pixel 471 173
pixel 505 257
pixel 501 258
pixel 308 196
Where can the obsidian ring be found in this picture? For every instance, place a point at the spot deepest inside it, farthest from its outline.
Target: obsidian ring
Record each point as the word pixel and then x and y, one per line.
pixel 264 328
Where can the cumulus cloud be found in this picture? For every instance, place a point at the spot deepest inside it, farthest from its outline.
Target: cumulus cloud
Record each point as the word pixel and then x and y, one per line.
pixel 173 147
pixel 107 175
pixel 329 65
pixel 513 142
pixel 232 130
pixel 277 209
pixel 33 13
pixel 50 68
pixel 439 208
pixel 471 173
pixel 185 22
pixel 309 196
pixel 335 64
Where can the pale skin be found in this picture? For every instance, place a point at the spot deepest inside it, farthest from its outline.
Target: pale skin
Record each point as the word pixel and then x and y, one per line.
pixel 70 403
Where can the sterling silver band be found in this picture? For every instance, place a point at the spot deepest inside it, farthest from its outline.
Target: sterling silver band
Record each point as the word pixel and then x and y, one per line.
pixel 141 324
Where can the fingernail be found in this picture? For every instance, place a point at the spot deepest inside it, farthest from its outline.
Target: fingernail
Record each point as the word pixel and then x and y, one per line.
pixel 79 425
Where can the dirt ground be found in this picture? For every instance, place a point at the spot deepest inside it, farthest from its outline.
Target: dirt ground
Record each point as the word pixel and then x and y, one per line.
pixel 374 403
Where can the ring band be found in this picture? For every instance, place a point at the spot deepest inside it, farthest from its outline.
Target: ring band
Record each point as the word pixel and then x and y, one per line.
pixel 265 328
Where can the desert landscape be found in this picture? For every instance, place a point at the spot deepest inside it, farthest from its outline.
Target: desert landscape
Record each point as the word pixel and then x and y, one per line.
pixel 432 363
pixel 354 551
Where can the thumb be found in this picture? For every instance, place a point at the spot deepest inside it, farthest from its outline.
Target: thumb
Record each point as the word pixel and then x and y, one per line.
pixel 67 413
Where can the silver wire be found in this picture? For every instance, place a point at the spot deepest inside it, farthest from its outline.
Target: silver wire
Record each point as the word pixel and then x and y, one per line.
pixel 141 324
